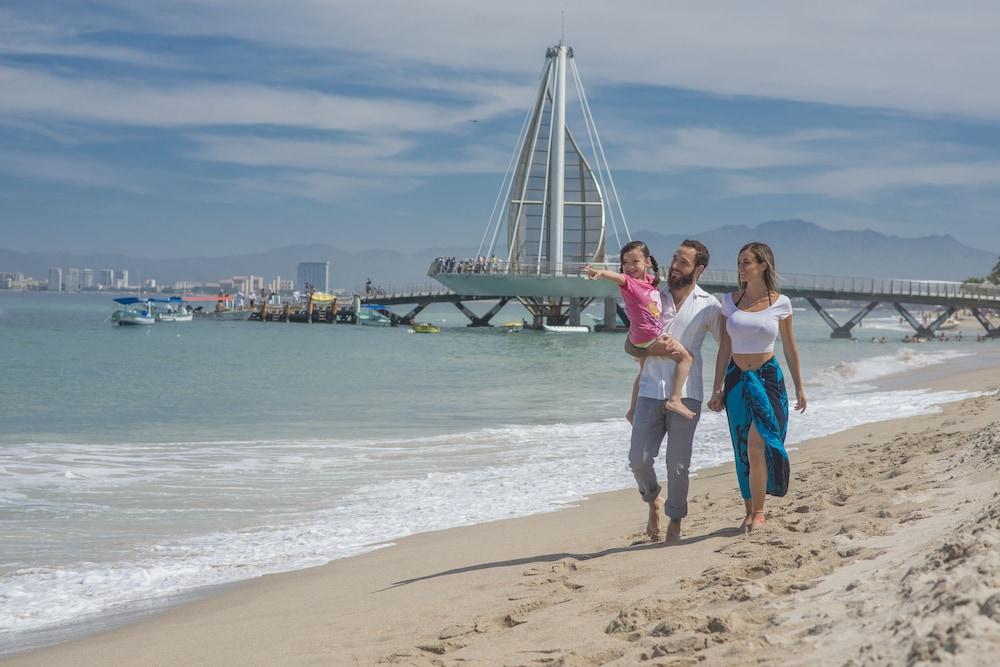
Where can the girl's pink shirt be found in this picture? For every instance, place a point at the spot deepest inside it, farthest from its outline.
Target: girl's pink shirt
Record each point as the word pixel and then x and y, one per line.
pixel 643 307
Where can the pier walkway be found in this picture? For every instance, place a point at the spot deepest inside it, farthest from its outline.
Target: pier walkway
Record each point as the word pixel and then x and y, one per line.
pixel 523 283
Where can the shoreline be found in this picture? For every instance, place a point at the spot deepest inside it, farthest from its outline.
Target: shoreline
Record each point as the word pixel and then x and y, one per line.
pixel 605 527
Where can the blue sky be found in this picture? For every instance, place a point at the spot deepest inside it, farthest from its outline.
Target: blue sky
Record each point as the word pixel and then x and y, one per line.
pixel 225 126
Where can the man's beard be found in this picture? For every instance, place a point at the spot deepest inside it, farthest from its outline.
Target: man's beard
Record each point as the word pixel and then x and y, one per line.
pixel 680 281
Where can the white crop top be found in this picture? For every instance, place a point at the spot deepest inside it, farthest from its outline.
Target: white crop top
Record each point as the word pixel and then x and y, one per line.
pixel 754 333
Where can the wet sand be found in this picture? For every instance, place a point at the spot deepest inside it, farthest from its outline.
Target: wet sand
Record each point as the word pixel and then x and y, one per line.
pixel 885 551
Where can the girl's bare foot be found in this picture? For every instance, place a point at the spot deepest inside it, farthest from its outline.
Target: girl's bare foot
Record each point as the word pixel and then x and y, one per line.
pixel 655 523
pixel 675 405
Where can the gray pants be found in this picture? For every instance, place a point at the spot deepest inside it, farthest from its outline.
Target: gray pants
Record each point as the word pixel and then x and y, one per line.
pixel 650 423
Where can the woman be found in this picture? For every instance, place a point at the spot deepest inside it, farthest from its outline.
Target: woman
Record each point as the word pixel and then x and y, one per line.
pixel 752 386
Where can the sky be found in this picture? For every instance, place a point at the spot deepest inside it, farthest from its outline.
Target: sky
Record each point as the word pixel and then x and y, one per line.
pixel 165 129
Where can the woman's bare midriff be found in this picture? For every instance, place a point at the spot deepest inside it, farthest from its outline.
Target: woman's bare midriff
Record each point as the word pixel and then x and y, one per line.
pixel 751 362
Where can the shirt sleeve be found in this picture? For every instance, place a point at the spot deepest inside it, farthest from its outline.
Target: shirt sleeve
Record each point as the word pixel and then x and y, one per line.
pixel 783 307
pixel 714 323
pixel 632 286
pixel 727 305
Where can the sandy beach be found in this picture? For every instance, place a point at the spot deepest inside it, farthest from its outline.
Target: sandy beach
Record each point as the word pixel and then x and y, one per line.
pixel 885 551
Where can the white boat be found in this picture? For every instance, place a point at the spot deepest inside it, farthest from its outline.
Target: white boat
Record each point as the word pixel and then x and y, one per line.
pixel 950 323
pixel 134 312
pixel 554 328
pixel 370 317
pixel 170 309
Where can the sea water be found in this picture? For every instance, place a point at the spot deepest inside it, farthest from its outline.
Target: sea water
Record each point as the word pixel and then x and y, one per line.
pixel 137 464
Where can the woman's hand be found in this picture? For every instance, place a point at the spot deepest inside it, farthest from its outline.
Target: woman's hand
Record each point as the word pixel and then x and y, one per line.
pixel 800 399
pixel 715 403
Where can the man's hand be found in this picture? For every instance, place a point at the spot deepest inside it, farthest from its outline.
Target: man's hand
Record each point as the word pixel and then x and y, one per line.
pixel 629 415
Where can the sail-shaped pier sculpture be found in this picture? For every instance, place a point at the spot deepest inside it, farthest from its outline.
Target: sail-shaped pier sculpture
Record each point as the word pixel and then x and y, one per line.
pixel 557 211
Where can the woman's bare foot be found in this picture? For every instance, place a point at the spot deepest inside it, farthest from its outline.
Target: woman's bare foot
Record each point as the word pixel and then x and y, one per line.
pixel 675 405
pixel 747 520
pixel 655 523
pixel 756 521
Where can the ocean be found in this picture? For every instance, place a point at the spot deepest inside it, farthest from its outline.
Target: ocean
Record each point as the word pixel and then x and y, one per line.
pixel 139 464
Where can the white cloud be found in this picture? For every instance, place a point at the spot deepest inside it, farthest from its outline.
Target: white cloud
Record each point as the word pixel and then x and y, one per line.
pixel 921 56
pixel 29 92
pixel 70 171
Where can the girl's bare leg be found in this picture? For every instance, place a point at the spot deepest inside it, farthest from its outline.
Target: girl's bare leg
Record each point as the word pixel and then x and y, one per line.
pixel 674 403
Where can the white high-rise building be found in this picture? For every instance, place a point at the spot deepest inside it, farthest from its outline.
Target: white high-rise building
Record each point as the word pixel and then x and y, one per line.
pixel 55 279
pixel 316 274
pixel 71 279
pixel 106 278
pixel 87 279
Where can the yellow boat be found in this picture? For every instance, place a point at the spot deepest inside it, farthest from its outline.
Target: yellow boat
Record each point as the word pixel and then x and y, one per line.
pixel 424 327
pixel 512 326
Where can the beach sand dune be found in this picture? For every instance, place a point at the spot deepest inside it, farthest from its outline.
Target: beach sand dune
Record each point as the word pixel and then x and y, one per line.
pixel 885 551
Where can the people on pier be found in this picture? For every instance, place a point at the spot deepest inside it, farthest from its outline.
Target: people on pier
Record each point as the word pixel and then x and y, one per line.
pixel 638 283
pixel 752 387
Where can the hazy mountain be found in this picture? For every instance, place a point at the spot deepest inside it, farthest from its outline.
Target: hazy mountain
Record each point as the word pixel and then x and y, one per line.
pixel 804 247
pixel 799 246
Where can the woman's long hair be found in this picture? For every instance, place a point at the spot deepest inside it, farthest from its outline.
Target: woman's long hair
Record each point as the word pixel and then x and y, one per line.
pixel 763 254
pixel 639 245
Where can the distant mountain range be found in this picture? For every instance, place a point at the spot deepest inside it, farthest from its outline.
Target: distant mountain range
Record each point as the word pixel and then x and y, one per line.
pixel 799 247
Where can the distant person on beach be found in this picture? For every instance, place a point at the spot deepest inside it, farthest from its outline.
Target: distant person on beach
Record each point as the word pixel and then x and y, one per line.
pixel 688 313
pixel 752 387
pixel 638 283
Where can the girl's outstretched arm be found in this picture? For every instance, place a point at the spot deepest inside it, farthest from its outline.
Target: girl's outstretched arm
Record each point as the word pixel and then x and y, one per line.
pixel 613 276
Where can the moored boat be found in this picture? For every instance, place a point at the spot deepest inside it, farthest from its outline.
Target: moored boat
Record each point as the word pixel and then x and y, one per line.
pixel 134 312
pixel 554 328
pixel 424 327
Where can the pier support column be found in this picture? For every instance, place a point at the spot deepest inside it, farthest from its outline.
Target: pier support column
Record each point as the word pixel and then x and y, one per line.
pixel 410 317
pixel 610 315
pixel 841 330
pixel 991 331
pixel 484 320
pixel 574 311
pixel 924 331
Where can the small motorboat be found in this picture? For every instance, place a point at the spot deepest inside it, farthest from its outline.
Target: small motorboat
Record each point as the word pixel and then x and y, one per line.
pixel 371 316
pixel 424 327
pixel 134 311
pixel 512 327
pixel 555 328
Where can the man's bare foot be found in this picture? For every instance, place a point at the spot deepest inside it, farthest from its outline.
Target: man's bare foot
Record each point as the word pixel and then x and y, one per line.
pixel 673 531
pixel 675 405
pixel 655 523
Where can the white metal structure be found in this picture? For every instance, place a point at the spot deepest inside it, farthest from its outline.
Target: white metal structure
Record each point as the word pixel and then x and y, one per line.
pixel 556 203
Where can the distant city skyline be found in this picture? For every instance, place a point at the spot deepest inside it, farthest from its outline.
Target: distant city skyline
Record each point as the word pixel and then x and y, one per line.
pixel 224 127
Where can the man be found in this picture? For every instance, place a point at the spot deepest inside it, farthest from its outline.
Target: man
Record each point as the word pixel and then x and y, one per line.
pixel 689 312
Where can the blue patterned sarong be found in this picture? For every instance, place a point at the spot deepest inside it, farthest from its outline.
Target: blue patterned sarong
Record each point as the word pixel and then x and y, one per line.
pixel 758 397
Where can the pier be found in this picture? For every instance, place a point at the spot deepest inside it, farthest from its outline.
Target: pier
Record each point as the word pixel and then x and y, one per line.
pixel 512 282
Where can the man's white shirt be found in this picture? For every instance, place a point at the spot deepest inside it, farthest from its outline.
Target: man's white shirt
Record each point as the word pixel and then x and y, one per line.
pixel 700 313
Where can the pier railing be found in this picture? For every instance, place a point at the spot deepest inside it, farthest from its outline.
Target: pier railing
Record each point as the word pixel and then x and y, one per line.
pixel 888 289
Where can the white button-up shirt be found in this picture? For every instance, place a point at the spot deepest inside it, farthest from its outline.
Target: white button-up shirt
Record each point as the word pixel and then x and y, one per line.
pixel 700 313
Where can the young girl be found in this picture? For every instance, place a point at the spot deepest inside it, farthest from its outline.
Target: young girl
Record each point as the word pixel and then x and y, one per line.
pixel 638 282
